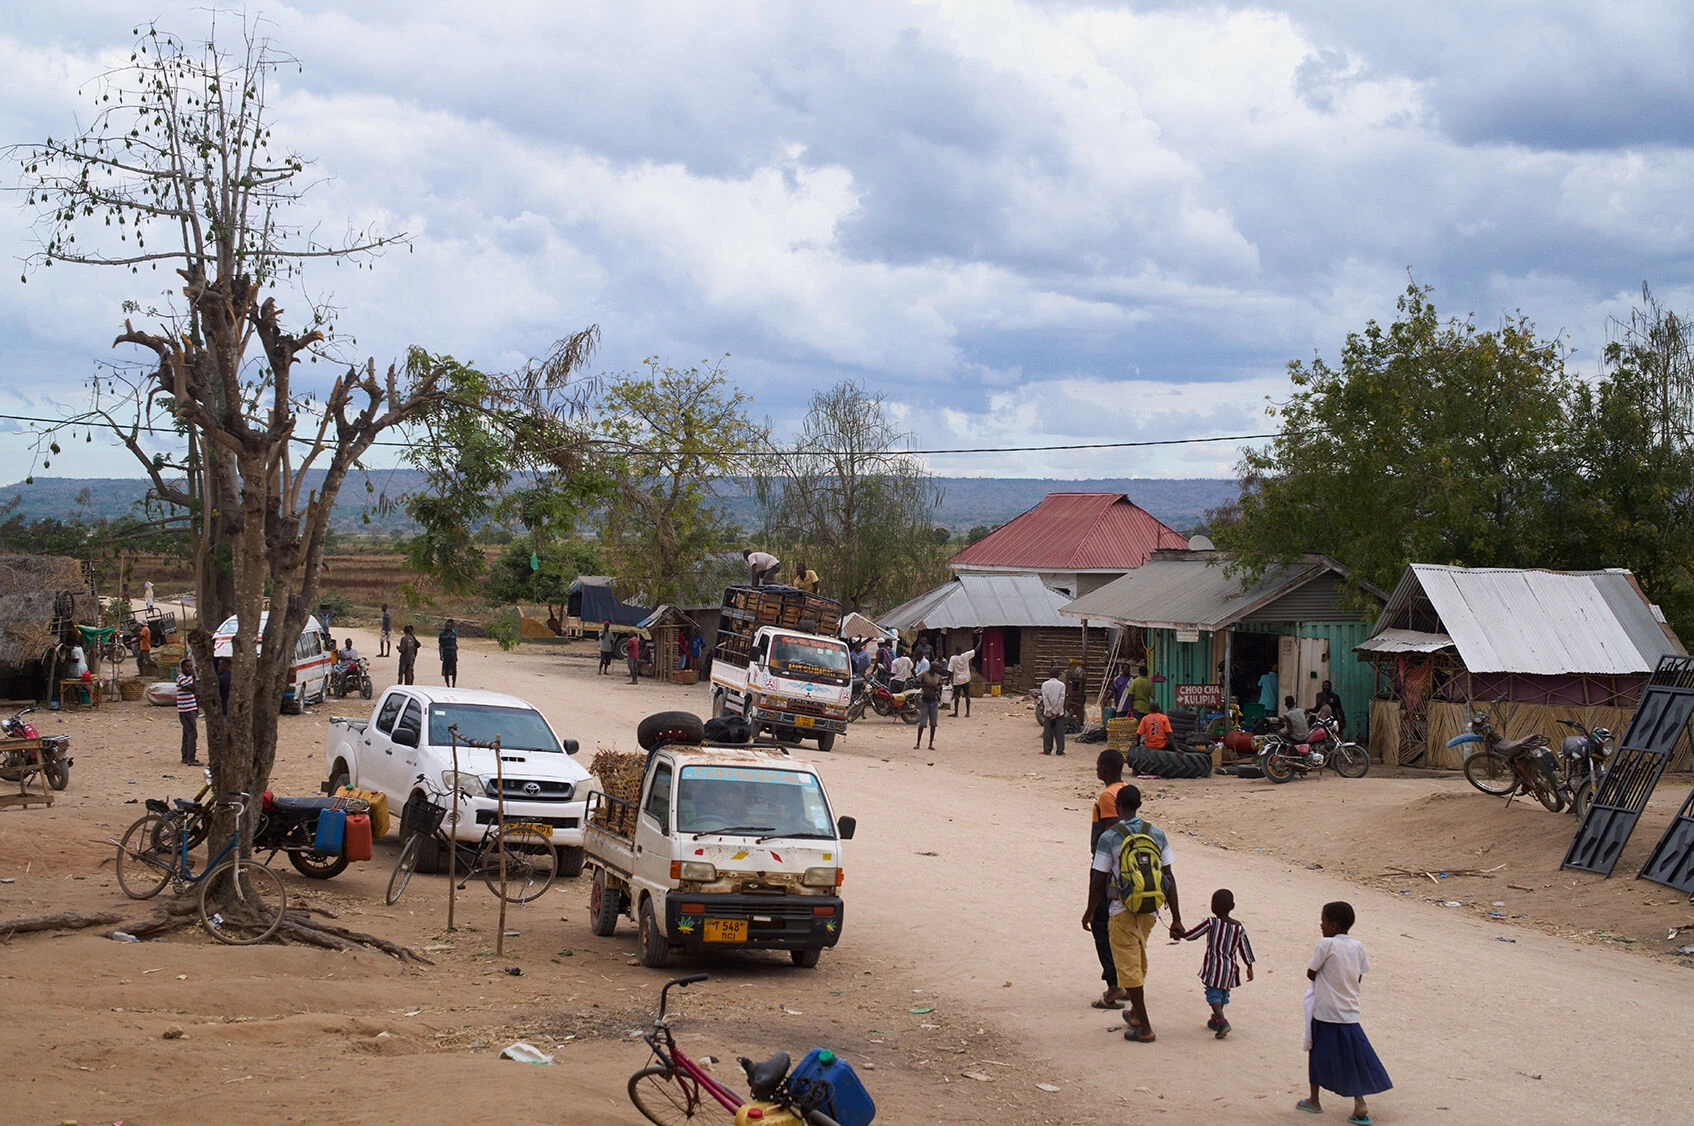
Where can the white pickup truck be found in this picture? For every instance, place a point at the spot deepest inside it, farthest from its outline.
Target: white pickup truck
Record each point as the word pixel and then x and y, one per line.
pixel 729 847
pixel 407 735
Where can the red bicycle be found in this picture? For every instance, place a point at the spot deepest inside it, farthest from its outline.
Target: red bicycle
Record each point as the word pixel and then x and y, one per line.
pixel 673 1089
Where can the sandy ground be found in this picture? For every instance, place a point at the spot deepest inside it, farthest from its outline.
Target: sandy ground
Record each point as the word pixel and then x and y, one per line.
pixel 965 886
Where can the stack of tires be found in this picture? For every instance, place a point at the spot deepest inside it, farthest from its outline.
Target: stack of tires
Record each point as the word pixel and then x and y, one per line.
pixel 1180 760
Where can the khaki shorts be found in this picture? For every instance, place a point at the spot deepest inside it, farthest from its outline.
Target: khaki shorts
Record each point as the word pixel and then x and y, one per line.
pixel 1129 933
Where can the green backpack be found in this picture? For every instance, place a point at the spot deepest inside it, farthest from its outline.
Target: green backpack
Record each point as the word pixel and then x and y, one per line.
pixel 1140 883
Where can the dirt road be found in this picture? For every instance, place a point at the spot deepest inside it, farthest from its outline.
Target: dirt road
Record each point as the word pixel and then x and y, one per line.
pixel 962 953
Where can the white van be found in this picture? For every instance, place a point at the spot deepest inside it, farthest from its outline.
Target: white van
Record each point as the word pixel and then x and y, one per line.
pixel 308 675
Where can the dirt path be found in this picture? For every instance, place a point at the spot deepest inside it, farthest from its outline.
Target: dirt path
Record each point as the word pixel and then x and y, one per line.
pixel 965 882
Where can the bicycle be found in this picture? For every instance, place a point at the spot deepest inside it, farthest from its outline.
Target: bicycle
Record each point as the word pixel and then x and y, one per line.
pixel 531 862
pixel 241 901
pixel 674 1089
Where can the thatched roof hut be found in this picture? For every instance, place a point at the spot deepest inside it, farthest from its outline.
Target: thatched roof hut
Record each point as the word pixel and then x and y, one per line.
pixel 40 595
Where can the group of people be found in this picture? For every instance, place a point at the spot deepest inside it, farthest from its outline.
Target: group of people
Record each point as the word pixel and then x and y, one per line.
pixel 933 677
pixel 406 650
pixel 1132 879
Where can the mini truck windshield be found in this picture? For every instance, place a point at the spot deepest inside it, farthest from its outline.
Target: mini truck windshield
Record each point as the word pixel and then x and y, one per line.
pixel 808 658
pixel 752 801
pixel 519 729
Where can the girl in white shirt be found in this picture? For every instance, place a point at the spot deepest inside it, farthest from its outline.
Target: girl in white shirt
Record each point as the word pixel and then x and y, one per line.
pixel 1340 1057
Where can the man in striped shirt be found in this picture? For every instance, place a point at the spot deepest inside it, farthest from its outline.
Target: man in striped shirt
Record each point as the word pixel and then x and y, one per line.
pixel 1226 940
pixel 188 711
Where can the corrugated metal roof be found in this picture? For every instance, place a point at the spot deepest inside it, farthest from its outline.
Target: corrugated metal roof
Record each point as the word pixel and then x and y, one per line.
pixel 972 601
pixel 1403 641
pixel 1074 532
pixel 856 626
pixel 1540 623
pixel 1191 590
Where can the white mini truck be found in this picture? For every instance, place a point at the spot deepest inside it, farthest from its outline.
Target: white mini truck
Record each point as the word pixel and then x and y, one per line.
pixel 405 748
pixel 729 847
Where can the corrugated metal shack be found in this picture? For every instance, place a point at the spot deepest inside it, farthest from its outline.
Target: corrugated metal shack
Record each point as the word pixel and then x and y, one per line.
pixel 1551 644
pixel 1023 634
pixel 1207 627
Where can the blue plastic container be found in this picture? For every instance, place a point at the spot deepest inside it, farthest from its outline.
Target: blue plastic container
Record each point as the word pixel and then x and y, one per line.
pixel 848 1101
pixel 332 826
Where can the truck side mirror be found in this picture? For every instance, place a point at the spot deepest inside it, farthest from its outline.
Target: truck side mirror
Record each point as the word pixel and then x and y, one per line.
pixel 405 735
pixel 759 648
pixel 845 826
pixel 572 746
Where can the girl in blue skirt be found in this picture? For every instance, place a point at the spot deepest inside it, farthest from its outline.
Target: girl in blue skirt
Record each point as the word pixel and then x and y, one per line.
pixel 1340 1057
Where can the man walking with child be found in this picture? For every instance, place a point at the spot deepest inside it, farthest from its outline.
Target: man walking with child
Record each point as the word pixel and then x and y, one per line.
pixel 1132 873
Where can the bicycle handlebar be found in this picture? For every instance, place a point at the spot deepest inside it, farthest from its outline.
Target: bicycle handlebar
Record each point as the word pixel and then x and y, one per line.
pixel 682 981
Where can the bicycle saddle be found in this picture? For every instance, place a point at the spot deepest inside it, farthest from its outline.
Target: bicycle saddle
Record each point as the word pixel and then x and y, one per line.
pixel 764 1078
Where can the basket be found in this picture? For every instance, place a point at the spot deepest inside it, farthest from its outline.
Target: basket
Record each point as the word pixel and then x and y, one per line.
pixel 1120 732
pixel 420 815
pixel 687 676
pixel 131 689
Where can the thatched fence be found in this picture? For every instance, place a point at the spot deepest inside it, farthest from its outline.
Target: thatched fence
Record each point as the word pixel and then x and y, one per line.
pixel 39 595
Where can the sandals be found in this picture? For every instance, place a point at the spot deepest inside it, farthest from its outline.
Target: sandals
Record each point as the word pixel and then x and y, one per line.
pixel 1359 1119
pixel 1306 1105
pixel 1135 1034
pixel 1102 1003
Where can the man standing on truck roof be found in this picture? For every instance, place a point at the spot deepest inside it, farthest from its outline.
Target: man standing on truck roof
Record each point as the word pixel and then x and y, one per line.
pixel 1053 716
pixel 761 565
pixel 805 578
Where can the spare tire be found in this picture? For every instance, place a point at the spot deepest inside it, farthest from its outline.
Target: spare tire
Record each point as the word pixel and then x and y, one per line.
pixel 1167 764
pixel 661 728
pixel 1184 720
pixel 728 729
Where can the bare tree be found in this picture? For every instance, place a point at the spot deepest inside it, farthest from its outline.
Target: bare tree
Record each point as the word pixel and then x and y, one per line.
pixel 178 163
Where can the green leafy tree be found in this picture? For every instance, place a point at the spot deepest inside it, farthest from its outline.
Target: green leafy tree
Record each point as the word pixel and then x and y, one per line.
pixel 669 438
pixel 1430 442
pixel 513 578
pixel 1622 489
pixel 849 502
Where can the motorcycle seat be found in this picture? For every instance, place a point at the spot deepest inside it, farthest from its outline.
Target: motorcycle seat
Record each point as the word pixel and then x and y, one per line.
pixel 1508 746
pixel 303 804
pixel 763 1078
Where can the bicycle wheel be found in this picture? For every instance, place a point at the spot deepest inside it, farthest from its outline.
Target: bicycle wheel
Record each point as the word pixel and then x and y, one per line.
pixel 144 857
pixel 403 867
pixel 531 865
pixel 242 902
pixel 664 1097
pixel 1491 773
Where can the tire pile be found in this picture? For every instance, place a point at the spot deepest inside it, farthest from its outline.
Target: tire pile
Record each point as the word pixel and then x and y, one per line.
pixel 1178 761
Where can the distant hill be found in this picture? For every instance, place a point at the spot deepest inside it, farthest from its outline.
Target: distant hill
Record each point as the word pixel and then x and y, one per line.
pixel 968 502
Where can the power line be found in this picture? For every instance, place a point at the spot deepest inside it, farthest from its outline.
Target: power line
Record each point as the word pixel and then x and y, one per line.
pixel 764 453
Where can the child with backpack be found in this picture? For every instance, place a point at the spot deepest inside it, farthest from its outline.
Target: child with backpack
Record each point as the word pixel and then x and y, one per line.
pixel 1340 1058
pixel 1226 940
pixel 1132 873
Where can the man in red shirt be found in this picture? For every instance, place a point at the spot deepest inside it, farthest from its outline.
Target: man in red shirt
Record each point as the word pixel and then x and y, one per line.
pixel 1155 728
pixel 632 657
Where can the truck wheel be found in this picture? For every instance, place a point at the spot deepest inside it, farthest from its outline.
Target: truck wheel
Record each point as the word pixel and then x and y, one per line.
pixel 826 742
pixel 604 906
pixel 717 704
pixel 806 959
pixel 339 778
pixel 651 946
pixel 570 860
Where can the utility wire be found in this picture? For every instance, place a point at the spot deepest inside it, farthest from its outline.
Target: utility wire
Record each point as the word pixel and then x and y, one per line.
pixel 763 453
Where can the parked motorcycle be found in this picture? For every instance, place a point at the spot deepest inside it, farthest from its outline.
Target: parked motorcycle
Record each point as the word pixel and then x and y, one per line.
pixel 356 678
pixel 1508 767
pixel 51 755
pixel 284 825
pixel 1583 759
pixel 859 700
pixel 1281 758
pixel 885 701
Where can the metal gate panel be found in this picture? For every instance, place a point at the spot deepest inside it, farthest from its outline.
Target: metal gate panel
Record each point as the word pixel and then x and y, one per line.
pixel 1661 718
pixel 1672 860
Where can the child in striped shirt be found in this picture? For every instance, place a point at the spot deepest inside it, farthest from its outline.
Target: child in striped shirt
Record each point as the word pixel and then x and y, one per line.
pixel 1226 940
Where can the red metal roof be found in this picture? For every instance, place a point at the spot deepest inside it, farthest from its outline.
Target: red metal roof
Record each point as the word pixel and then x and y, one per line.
pixel 1074 532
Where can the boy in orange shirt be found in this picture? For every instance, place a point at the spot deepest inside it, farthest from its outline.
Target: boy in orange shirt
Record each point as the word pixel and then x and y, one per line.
pixel 1155 728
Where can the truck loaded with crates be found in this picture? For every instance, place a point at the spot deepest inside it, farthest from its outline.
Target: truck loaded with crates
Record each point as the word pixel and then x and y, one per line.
pixel 715 846
pixel 780 664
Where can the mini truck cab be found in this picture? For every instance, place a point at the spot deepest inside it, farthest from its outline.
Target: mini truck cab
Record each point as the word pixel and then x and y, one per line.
pixel 728 847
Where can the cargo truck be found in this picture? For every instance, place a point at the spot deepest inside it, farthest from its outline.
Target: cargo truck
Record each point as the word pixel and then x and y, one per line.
pixel 779 663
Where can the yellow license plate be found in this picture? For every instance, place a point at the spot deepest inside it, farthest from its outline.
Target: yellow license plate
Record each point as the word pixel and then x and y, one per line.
pixel 802 721
pixel 541 827
pixel 726 930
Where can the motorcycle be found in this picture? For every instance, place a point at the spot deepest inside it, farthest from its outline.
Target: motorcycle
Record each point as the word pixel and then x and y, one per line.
pixel 1508 767
pixel 51 755
pixel 1583 758
pixel 859 700
pixel 1281 758
pixel 357 678
pixel 284 825
pixel 885 701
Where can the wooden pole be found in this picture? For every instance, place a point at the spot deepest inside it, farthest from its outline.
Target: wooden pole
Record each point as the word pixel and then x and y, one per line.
pixel 453 829
pixel 500 820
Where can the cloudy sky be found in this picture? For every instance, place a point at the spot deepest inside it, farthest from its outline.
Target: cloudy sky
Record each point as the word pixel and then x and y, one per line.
pixel 1025 223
